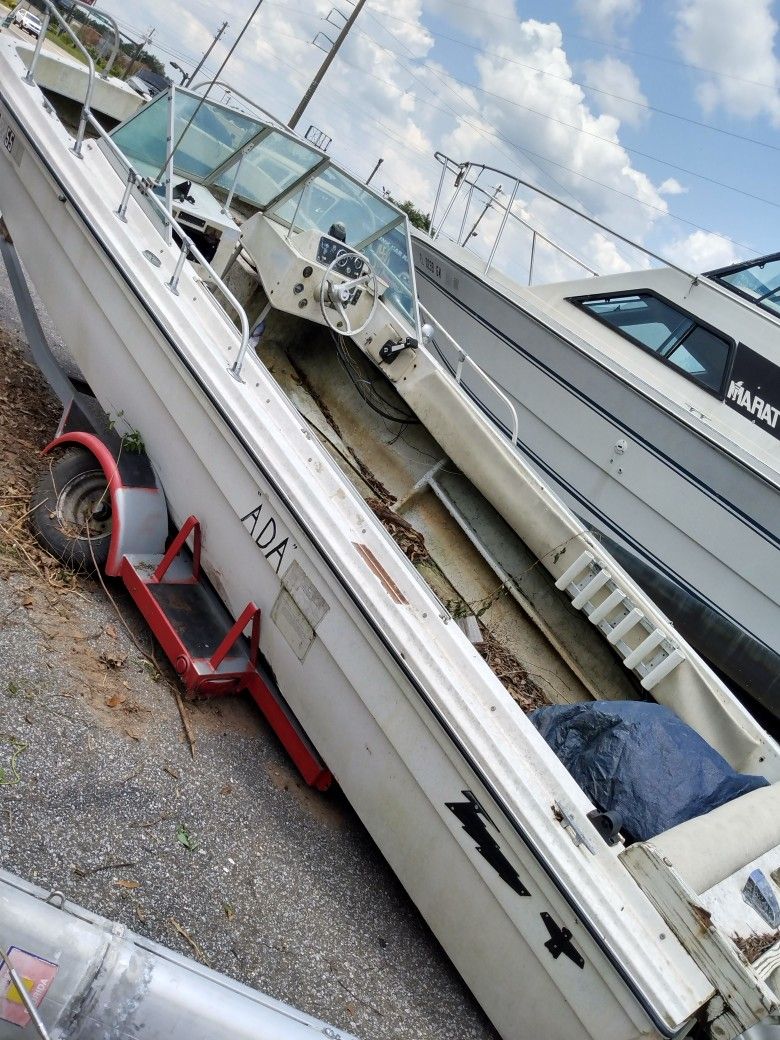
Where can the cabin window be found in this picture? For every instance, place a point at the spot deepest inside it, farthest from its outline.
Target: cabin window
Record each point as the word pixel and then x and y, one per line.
pixel 672 335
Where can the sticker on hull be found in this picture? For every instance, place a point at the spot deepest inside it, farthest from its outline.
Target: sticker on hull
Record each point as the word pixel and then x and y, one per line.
pixel 267 533
pixel 35 973
pixel 754 390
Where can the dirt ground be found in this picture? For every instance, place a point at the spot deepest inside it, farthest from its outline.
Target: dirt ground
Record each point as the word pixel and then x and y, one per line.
pixel 215 849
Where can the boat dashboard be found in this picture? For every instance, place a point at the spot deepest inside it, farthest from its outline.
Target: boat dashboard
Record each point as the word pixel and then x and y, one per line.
pixel 323 279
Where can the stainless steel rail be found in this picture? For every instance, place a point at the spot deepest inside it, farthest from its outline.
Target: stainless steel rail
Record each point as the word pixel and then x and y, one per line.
pixel 536 234
pixel 134 181
pixel 463 360
pixel 462 172
pixel 95 12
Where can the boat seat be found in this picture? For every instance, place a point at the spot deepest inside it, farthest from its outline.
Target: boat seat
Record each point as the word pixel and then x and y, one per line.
pixel 710 848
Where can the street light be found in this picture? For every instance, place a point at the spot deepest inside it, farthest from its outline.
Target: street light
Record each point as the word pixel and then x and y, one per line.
pixel 178 68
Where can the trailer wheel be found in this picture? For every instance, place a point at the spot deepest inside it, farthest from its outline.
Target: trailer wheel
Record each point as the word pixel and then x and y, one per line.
pixel 71 508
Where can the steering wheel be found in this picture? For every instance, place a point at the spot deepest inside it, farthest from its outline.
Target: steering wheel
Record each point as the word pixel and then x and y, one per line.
pixel 338 293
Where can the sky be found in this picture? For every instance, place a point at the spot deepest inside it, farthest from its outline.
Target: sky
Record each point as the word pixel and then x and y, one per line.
pixel 660 118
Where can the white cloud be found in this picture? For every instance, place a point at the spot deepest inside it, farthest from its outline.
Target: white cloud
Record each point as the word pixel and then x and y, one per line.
pixel 671 186
pixel 606 258
pixel 595 154
pixel 606 16
pixel 700 251
pixel 386 97
pixel 737 40
pixel 617 78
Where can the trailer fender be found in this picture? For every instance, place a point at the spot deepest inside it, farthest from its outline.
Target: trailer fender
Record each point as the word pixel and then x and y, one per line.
pixel 139 511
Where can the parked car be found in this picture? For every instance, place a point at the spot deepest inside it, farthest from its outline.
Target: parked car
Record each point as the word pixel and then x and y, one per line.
pixel 30 22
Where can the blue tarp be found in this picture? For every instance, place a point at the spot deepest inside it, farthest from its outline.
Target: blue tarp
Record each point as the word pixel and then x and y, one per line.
pixel 640 761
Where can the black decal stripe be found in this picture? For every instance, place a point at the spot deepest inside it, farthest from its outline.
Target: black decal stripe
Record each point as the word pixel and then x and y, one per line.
pixel 761 377
pixel 332 564
pixel 560 942
pixel 667 460
pixel 641 550
pixel 472 818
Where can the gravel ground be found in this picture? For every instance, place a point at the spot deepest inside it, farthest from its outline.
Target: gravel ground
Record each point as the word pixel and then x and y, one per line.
pixel 221 853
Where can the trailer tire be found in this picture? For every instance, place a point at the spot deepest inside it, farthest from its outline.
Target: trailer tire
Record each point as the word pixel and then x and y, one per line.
pixel 70 511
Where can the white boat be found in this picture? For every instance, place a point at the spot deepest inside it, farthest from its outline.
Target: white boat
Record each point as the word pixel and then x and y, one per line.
pixel 319 448
pixel 649 401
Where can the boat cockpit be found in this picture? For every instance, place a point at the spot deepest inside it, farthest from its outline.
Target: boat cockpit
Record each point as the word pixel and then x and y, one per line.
pixel 241 181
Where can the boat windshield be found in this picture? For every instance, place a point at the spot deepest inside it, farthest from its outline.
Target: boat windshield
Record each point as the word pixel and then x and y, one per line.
pixel 333 203
pixel 268 168
pixel 757 280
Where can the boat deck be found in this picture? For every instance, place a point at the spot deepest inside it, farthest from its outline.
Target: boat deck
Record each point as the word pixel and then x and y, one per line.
pixel 541 648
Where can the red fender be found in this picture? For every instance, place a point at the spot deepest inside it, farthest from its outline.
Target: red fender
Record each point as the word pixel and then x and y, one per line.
pixel 136 527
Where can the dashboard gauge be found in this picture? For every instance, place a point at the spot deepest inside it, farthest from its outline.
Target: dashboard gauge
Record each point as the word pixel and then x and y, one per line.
pixel 351 266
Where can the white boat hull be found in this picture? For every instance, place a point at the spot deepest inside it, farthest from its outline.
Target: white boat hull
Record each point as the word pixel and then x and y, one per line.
pixel 696 528
pixel 377 688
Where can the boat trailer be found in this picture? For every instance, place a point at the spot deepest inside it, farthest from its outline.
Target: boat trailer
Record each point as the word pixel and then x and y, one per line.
pixel 204 643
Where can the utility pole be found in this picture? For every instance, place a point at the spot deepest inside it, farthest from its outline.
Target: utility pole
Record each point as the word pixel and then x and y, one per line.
pixel 202 61
pixel 488 204
pixel 143 44
pixel 371 175
pixel 325 65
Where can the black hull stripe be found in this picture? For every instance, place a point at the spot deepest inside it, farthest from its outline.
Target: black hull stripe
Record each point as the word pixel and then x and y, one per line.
pixel 652 449
pixel 606 522
pixel 580 911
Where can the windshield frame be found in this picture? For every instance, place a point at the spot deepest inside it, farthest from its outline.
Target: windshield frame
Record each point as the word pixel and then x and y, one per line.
pixel 265 128
pixel 720 274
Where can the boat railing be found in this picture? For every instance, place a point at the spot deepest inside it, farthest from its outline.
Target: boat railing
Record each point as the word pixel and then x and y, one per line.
pixel 462 173
pixel 493 201
pixel 94 12
pixel 464 361
pixel 468 173
pixel 134 182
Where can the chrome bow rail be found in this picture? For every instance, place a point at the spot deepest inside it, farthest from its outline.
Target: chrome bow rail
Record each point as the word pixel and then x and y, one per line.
pixel 467 175
pixel 143 188
pixel 461 172
pixel 85 6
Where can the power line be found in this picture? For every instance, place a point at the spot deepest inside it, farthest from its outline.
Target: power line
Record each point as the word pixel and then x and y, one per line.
pixel 619 144
pixel 664 210
pixel 626 50
pixel 495 133
pixel 527 153
pixel 466 101
pixel 587 86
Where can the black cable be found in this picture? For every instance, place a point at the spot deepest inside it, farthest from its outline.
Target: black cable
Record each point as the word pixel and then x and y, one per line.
pixel 359 382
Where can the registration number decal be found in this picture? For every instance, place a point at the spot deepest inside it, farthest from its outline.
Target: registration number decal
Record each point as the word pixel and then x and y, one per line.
pixel 10 142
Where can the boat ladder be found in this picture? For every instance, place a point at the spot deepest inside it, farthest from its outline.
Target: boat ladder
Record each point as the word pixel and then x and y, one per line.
pixel 611 610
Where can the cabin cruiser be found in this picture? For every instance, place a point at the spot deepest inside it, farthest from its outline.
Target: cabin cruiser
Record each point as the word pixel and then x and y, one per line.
pixel 649 401
pixel 366 554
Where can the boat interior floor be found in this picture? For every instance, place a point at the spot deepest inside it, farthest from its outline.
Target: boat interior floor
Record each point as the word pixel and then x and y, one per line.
pixel 537 644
